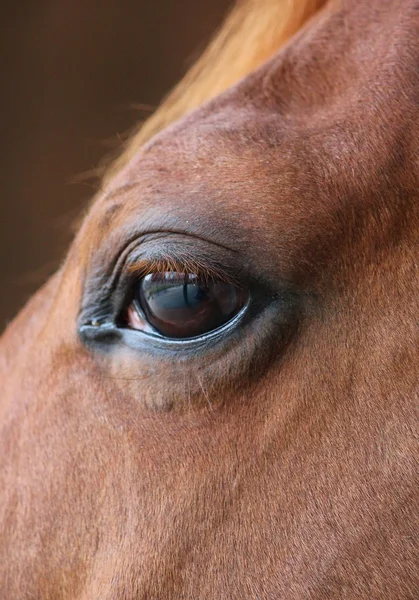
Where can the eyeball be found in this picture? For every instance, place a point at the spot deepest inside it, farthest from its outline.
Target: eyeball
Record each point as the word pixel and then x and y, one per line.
pixel 183 305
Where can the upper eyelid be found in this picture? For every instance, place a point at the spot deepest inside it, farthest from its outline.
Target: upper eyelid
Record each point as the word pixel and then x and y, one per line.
pixel 186 255
pixel 138 239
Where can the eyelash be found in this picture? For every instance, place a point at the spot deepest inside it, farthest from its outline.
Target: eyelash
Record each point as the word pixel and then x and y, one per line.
pixel 138 269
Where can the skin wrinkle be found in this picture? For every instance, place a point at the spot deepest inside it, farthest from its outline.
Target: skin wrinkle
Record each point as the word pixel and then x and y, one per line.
pixel 280 461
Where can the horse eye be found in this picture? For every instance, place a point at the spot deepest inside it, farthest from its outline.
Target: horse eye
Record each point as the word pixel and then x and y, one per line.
pixel 183 305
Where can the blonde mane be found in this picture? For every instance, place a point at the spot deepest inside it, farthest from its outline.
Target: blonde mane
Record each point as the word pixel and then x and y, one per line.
pixel 250 35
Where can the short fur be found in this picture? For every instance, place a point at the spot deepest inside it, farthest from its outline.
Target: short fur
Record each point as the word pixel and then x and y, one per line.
pixel 278 462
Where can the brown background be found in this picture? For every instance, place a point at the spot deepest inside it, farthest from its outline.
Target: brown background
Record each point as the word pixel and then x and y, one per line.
pixel 72 72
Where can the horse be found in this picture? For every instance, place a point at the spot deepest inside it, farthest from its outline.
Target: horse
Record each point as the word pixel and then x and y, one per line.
pixel 215 395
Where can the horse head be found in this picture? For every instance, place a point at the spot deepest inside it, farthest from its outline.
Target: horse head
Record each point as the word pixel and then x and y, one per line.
pixel 213 396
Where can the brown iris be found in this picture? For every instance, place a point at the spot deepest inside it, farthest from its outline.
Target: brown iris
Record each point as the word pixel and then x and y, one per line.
pixel 183 305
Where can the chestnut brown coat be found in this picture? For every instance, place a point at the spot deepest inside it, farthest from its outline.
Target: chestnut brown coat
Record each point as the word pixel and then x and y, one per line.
pixel 277 460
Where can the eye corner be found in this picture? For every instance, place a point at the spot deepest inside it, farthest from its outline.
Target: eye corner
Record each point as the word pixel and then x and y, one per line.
pixel 99 333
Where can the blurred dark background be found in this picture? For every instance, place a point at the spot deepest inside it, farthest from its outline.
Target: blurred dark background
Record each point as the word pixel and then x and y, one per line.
pixel 74 73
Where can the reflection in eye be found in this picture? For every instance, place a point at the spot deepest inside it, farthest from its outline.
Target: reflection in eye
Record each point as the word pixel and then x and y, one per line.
pixel 183 305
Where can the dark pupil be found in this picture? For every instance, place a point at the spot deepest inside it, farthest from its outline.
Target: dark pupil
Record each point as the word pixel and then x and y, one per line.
pixel 182 305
